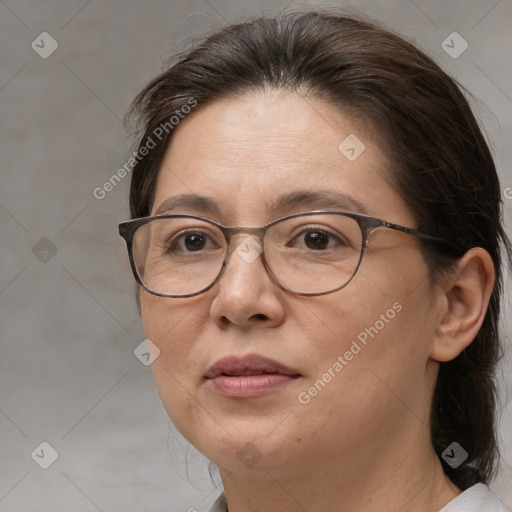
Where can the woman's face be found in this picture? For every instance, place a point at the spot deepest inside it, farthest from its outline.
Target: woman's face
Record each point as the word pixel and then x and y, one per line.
pixel 362 377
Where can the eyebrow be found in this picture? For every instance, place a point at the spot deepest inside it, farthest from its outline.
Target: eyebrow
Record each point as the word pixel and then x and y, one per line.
pixel 283 204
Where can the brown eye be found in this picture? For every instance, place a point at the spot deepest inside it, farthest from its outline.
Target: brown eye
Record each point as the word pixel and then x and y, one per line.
pixel 317 240
pixel 190 241
pixel 194 242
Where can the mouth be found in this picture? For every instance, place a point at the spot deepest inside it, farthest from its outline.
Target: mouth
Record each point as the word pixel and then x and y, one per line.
pixel 250 376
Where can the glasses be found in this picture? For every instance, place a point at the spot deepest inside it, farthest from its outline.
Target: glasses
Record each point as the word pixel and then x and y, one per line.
pixel 307 253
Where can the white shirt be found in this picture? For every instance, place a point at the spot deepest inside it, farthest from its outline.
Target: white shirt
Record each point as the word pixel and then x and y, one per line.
pixel 478 498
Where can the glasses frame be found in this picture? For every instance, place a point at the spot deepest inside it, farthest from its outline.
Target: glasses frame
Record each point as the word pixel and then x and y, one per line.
pixel 366 224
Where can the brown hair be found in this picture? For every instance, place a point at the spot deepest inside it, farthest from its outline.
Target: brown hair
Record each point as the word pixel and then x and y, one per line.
pixel 442 165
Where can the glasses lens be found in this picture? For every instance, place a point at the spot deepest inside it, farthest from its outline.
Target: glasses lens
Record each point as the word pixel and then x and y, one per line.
pixel 178 256
pixel 314 253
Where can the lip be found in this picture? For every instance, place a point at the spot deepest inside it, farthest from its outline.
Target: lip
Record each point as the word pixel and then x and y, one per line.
pixel 250 376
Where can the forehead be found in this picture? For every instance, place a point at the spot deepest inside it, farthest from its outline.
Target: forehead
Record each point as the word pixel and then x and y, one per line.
pixel 245 151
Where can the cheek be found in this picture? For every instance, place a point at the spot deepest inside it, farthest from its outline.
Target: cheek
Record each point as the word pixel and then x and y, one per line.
pixel 369 378
pixel 174 328
pixel 173 324
pixel 374 338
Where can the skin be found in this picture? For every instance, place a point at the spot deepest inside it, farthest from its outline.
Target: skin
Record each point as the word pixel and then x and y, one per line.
pixel 363 442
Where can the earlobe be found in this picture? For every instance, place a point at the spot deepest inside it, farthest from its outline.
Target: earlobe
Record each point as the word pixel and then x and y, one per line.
pixel 465 300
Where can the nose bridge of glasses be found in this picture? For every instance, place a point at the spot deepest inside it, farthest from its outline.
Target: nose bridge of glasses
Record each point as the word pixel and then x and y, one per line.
pixel 239 232
pixel 241 255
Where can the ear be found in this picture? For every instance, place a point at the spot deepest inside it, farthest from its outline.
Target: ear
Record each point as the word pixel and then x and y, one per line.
pixel 465 297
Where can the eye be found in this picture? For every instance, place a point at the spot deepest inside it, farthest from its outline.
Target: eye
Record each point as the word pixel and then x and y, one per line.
pixel 190 241
pixel 317 240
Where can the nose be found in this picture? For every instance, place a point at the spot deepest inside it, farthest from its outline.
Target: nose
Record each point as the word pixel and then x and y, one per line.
pixel 245 294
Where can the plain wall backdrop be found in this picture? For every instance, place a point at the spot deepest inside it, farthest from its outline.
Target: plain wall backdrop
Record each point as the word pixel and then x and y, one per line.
pixel 68 319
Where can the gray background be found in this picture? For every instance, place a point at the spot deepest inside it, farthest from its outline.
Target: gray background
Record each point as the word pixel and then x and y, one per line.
pixel 68 320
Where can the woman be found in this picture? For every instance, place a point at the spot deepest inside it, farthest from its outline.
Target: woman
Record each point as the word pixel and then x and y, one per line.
pixel 316 238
